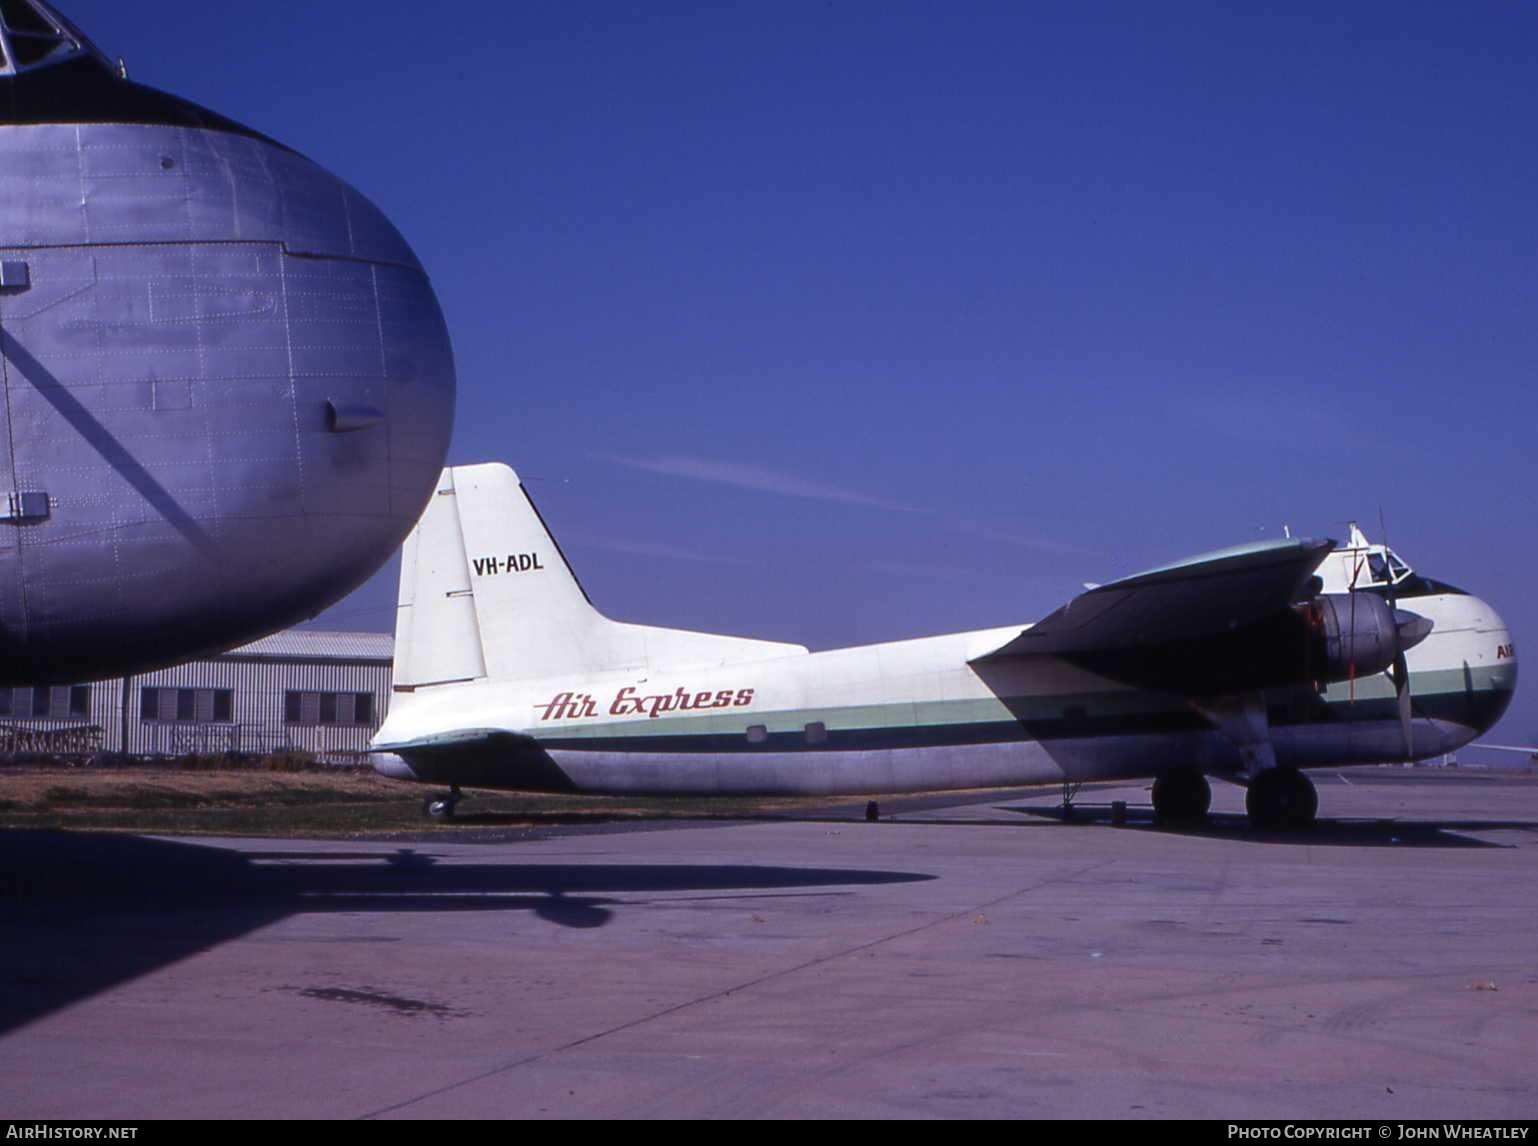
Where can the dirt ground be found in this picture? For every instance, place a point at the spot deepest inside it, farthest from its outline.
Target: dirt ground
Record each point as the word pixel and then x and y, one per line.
pixel 324 804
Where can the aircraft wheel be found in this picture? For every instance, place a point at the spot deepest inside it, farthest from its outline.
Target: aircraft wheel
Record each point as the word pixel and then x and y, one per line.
pixel 439 807
pixel 1281 799
pixel 1182 796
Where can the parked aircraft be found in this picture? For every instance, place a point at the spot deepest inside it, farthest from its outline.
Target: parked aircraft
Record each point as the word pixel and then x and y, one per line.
pixel 1249 663
pixel 228 387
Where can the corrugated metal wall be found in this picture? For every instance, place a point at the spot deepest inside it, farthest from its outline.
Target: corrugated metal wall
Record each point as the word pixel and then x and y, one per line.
pixel 255 717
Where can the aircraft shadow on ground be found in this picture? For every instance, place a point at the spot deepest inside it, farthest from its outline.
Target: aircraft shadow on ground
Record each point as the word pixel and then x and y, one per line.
pixel 585 819
pixel 1335 833
pixel 83 912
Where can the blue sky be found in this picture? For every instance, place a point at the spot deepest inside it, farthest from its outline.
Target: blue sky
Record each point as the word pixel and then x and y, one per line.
pixel 845 322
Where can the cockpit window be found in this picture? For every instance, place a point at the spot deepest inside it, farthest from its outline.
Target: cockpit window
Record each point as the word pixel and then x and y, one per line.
pixel 34 36
pixel 1396 567
pixel 21 18
pixel 1378 567
pixel 33 49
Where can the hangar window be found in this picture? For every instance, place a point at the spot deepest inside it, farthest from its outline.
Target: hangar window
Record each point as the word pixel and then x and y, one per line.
pixel 60 702
pixel 187 705
pixel 346 709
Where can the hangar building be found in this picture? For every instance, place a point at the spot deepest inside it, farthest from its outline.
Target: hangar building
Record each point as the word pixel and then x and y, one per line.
pixel 320 692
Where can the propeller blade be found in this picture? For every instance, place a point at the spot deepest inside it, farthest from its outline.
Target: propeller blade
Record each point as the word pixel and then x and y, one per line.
pixel 1402 695
pixel 1351 624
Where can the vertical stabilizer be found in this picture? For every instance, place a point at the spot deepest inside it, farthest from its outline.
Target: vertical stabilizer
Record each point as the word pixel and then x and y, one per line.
pixel 534 618
pixel 487 593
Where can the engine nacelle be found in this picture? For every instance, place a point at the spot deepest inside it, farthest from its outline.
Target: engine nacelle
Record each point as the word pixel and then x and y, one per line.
pixel 1353 634
pixel 1329 638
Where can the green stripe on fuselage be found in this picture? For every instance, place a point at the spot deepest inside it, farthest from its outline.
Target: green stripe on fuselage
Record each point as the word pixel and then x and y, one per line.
pixel 1464 696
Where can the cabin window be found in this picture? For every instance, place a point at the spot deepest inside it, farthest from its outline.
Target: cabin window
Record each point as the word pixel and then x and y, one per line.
pixel 757 734
pixel 816 732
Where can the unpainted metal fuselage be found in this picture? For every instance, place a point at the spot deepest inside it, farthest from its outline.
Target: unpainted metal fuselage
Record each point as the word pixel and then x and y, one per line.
pixel 228 387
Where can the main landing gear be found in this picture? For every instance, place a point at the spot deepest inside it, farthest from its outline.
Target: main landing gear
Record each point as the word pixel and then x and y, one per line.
pixel 1281 799
pixel 1182 796
pixel 441 807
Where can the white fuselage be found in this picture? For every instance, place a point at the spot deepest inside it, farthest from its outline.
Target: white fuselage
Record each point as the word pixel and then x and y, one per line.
pixel 917 715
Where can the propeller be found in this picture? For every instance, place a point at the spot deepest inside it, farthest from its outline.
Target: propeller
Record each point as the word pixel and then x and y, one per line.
pixel 1412 629
pixel 1356 571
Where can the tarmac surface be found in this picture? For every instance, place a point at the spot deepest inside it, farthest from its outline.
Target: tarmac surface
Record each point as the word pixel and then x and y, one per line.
pixel 973 956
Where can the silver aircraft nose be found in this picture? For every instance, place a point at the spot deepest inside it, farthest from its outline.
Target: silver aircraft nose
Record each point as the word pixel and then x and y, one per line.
pixel 229 386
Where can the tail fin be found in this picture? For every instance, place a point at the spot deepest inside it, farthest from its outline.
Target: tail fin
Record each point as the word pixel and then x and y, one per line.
pixel 487 593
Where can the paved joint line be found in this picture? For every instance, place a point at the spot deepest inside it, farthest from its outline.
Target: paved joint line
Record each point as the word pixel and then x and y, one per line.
pixel 732 990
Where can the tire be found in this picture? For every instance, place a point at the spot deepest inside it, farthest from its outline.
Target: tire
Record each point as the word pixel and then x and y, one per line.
pixel 1281 799
pixel 1182 796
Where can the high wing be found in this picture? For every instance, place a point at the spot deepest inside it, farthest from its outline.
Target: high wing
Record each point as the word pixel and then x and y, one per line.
pixel 1220 620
